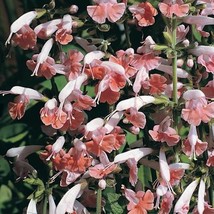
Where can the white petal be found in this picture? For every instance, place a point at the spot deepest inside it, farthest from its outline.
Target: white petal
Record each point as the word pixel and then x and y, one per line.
pixel 89 57
pixel 94 124
pixel 52 205
pixel 161 190
pixel 25 19
pixel 193 94
pixel 43 54
pixel 184 199
pixel 179 166
pixel 23 151
pixel 31 209
pixel 136 154
pixel 113 121
pixel 57 146
pixel 136 102
pixel 201 193
pixel 202 49
pixel 50 27
pixel 66 204
pixel 181 73
pixel 164 167
pixel 31 93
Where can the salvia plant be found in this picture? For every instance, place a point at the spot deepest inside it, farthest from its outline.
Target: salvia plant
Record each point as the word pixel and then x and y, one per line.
pixel 121 95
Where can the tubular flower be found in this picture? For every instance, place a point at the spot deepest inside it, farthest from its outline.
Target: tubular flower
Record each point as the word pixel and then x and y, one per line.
pixel 196 108
pixel 192 146
pixel 164 133
pixel 182 205
pixel 18 107
pixel 144 13
pixel 43 55
pixel 139 202
pixel 169 8
pixel 104 9
pixel 48 68
pixel 63 34
pixel 22 30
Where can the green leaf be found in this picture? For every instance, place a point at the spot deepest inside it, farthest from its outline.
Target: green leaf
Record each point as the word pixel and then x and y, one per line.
pixel 59 80
pixel 196 34
pixel 5 193
pixel 4 167
pixel 13 132
pixel 112 205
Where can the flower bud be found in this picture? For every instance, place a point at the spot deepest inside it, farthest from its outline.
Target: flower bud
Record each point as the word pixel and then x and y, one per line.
pixel 102 184
pixel 73 9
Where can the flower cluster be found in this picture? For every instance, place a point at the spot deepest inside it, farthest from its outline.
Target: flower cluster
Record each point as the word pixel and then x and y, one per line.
pixel 159 93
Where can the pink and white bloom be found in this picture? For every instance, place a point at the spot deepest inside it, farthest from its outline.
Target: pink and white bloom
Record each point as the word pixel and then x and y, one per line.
pixel 196 108
pixel 45 30
pixel 20 25
pixel 43 55
pixel 66 204
pixel 193 146
pixel 139 202
pixel 63 34
pixel 57 146
pixel 106 9
pixel 164 133
pixel 182 205
pixel 18 106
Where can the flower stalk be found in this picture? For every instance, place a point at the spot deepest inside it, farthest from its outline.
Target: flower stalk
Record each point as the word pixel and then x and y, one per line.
pixel 174 61
pixel 99 201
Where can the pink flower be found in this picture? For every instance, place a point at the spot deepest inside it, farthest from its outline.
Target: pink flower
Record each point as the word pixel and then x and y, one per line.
pixel 196 108
pixel 139 202
pixel 63 34
pixel 210 160
pixel 102 169
pixel 50 114
pixel 135 117
pixel 207 61
pixel 45 30
pixel 43 55
pixel 164 133
pixel 192 146
pixel 157 84
pixel 144 13
pixel 18 107
pixel 169 8
pixel 72 64
pixel 25 38
pixel 103 10
pixel 125 59
pixel 48 68
pixel 166 203
pixel 21 27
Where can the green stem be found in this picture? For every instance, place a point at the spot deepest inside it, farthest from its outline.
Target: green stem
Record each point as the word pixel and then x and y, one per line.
pixel 99 201
pixel 174 62
pixel 45 204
